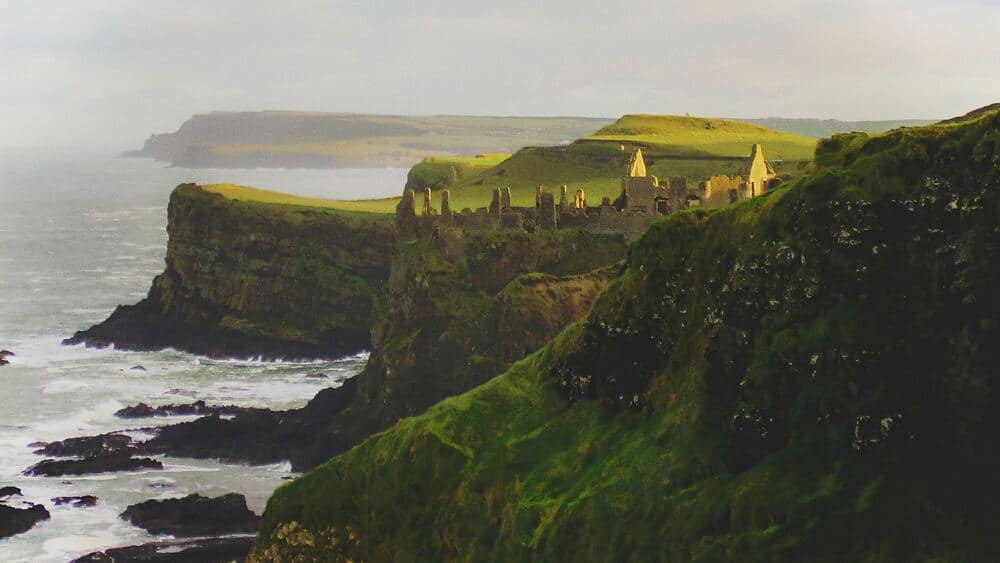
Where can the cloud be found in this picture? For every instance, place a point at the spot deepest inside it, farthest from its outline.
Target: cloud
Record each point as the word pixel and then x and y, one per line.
pixel 112 71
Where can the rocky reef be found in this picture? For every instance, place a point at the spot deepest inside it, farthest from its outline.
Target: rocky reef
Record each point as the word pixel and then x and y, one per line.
pixel 244 279
pixel 804 376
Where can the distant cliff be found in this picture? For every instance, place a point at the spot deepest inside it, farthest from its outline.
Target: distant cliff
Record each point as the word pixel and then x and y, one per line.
pixel 285 139
pixel 244 279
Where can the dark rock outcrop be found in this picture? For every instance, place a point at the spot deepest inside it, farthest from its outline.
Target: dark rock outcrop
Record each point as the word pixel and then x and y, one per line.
pixel 97 464
pixel 9 492
pixel 4 354
pixel 143 410
pixel 210 550
pixel 85 501
pixel 19 520
pixel 194 515
pixel 88 446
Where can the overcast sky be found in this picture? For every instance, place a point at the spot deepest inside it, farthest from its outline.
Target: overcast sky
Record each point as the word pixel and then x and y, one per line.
pixel 110 72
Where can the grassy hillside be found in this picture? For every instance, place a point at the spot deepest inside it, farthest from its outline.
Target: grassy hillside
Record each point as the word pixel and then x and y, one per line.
pixel 804 376
pixel 696 136
pixel 694 148
pixel 811 127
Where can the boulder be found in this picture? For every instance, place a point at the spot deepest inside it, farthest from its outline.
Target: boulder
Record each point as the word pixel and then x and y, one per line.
pixel 97 464
pixel 9 492
pixel 88 446
pixel 19 520
pixel 210 550
pixel 85 501
pixel 194 515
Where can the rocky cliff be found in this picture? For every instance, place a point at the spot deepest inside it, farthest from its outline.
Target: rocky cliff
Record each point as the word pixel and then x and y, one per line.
pixel 457 310
pixel 244 279
pixel 805 376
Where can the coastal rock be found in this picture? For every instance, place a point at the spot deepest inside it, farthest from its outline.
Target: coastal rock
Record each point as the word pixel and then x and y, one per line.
pixel 4 354
pixel 85 501
pixel 210 550
pixel 289 283
pixel 88 446
pixel 96 464
pixel 9 492
pixel 143 410
pixel 19 520
pixel 194 515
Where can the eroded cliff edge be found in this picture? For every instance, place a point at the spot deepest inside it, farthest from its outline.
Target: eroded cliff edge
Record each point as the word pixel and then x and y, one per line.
pixel 244 279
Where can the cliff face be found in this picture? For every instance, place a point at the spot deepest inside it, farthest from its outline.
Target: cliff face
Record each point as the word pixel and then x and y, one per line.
pixel 805 376
pixel 456 311
pixel 243 279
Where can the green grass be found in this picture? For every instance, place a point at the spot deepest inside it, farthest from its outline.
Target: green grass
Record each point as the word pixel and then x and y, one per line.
pixel 697 136
pixel 248 194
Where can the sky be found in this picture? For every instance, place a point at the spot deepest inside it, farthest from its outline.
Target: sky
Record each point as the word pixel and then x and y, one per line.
pixel 111 72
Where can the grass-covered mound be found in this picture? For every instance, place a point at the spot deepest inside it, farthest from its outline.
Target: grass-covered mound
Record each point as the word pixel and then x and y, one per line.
pixel 693 148
pixel 699 136
pixel 809 375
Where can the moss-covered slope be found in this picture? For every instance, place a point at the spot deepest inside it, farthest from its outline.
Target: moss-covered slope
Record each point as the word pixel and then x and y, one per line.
pixel 248 277
pixel 809 375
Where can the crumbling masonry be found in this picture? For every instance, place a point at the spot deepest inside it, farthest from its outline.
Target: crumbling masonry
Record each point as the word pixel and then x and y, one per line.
pixel 642 199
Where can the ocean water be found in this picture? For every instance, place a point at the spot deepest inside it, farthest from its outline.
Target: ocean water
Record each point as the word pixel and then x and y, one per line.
pixel 81 232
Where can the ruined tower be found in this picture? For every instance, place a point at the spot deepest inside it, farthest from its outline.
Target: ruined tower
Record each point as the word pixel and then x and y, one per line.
pixel 757 172
pixel 446 205
pixel 562 196
pixel 495 204
pixel 428 210
pixel 545 210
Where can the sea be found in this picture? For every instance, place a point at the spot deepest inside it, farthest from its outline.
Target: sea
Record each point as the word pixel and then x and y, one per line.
pixel 81 231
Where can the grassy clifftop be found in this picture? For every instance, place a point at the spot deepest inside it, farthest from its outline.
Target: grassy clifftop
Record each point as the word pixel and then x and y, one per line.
pixel 807 375
pixel 251 272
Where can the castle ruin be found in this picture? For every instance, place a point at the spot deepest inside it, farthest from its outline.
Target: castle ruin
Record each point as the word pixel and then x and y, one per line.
pixel 642 199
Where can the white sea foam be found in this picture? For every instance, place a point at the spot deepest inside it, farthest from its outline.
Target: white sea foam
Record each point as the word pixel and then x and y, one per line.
pixel 112 214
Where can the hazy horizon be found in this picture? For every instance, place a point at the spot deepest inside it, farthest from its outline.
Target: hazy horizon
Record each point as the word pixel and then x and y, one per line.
pixel 110 73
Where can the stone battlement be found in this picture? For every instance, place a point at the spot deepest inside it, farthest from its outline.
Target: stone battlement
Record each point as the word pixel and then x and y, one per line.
pixel 642 199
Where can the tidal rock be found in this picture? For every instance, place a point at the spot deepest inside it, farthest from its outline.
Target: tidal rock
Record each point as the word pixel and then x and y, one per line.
pixel 4 354
pixel 317 375
pixel 97 464
pixel 85 501
pixel 20 520
pixel 194 515
pixel 143 410
pixel 138 368
pixel 210 550
pixel 9 492
pixel 88 446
